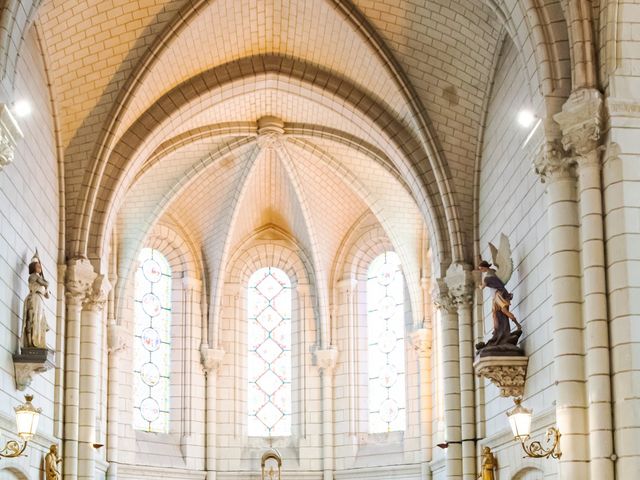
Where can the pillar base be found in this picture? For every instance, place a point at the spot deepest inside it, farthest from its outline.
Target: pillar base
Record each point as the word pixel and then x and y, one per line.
pixel 506 373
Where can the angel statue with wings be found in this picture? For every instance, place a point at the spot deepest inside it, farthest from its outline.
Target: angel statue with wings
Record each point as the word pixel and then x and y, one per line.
pixel 503 341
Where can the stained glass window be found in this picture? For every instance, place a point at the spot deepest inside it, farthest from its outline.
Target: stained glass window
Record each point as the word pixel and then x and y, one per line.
pixel 269 365
pixel 152 342
pixel 385 331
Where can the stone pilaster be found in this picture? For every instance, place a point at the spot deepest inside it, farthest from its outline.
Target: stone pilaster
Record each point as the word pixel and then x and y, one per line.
pixel 461 286
pixel 326 360
pixel 211 359
pixel 620 186
pixel 79 277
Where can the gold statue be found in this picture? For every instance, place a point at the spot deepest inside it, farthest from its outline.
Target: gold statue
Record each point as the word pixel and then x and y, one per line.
pixel 489 464
pixel 51 461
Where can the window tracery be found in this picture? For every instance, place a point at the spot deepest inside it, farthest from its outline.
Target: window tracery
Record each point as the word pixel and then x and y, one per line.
pixel 269 349
pixel 385 331
pixel 152 342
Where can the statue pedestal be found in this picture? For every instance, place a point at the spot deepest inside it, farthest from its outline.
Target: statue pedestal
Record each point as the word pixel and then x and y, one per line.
pixel 31 361
pixel 506 373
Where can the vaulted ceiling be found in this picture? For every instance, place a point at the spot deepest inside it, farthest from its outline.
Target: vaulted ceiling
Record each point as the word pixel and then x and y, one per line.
pixel 380 102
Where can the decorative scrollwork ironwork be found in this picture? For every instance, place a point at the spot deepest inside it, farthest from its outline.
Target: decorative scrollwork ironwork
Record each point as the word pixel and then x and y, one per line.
pixel 13 449
pixel 536 450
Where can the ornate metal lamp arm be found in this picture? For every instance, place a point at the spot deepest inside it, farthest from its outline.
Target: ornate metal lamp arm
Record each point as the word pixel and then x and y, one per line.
pixel 13 449
pixel 536 450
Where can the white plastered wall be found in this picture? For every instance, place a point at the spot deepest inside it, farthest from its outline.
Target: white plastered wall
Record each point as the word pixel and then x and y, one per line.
pixel 512 201
pixel 29 212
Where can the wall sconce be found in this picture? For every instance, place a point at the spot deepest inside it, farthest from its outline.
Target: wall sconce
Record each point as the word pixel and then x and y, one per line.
pixel 27 422
pixel 271 464
pixel 520 421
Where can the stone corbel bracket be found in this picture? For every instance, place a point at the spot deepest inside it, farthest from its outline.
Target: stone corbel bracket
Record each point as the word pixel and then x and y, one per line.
pixel 211 358
pixel 326 359
pixel 30 362
pixel 10 135
pixel 506 373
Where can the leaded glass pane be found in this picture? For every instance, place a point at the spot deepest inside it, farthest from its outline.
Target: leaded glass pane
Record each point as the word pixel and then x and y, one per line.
pixel 269 359
pixel 385 331
pixel 152 342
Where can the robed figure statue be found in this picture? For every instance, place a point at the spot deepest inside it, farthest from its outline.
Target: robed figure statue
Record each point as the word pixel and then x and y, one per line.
pixel 489 464
pixel 503 341
pixel 35 325
pixel 51 463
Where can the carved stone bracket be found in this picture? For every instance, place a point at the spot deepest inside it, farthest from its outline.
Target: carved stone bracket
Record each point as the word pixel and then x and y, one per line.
pixel 421 341
pixel 506 373
pixel 327 358
pixel 32 361
pixel 211 358
pixel 10 134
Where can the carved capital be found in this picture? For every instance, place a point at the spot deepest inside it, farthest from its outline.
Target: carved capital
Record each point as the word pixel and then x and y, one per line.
pixel 553 162
pixel 421 341
pixel 460 283
pixel 270 132
pixel 98 294
pixel 10 134
pixel 441 298
pixel 79 278
pixel 326 359
pixel 506 373
pixel 117 339
pixel 581 121
pixel 211 358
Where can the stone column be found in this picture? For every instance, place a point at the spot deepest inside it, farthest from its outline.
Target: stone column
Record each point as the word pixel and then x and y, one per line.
pixel 78 281
pixel 460 282
pixel 581 121
pixel 90 357
pixel 421 342
pixel 326 362
pixel 211 361
pixel 558 172
pixel 450 380
pixel 117 344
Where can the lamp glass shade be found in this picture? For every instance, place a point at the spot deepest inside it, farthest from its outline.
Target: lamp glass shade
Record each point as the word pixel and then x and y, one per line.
pixel 27 419
pixel 520 421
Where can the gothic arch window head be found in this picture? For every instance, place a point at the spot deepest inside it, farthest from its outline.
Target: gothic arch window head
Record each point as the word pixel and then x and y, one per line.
pixel 385 333
pixel 269 351
pixel 152 342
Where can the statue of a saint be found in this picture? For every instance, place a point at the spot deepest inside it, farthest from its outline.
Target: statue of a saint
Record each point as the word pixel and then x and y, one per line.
pixel 503 341
pixel 489 464
pixel 51 461
pixel 35 325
